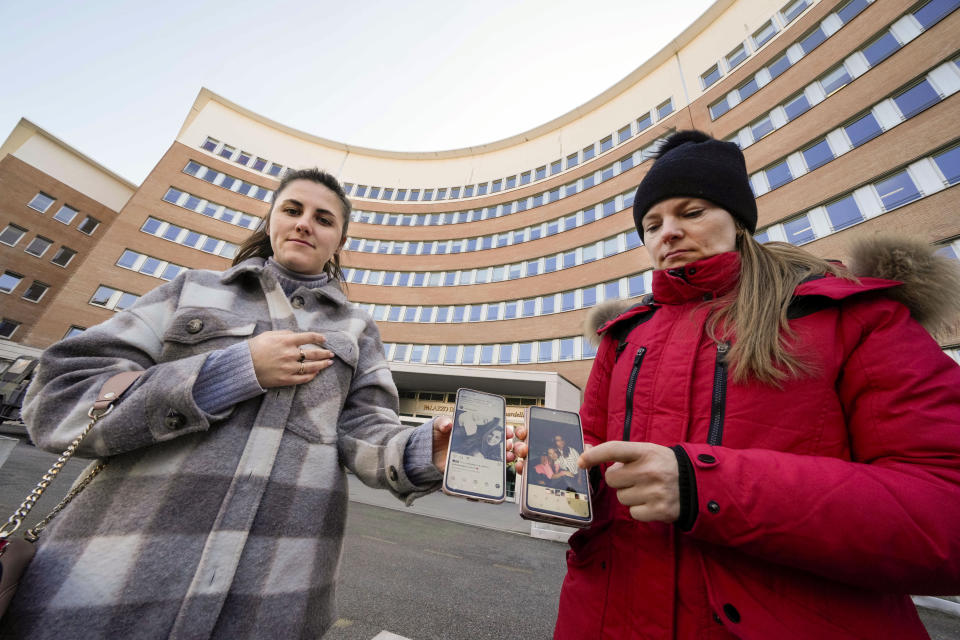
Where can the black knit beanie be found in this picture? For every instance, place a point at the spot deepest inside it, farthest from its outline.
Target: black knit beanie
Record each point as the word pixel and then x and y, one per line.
pixel 692 164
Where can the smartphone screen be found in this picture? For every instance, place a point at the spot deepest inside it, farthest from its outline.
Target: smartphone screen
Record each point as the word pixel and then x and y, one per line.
pixel 555 486
pixel 476 459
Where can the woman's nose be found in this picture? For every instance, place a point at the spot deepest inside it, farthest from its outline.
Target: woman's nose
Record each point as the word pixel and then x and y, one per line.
pixel 302 228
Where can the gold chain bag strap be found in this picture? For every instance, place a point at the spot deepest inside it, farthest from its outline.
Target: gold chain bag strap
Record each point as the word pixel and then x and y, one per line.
pixel 16 552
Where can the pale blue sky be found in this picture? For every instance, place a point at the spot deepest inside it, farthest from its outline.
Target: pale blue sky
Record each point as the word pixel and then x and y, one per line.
pixel 115 79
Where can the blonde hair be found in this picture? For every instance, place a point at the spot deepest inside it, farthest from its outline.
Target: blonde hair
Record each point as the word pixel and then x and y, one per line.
pixel 755 312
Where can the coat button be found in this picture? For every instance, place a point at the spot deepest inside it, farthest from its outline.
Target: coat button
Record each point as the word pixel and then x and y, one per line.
pixel 706 458
pixel 195 325
pixel 174 420
pixel 393 473
pixel 297 302
pixel 731 612
pixel 713 507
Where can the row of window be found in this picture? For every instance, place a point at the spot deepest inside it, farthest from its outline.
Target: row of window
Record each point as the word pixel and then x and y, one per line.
pixel 211 209
pixel 557 350
pixel 148 265
pixel 229 183
pixel 583 298
pixel 803 46
pixel 189 238
pixel 922 178
pixel 10 280
pixel 622 134
pixel 12 234
pixel 759 38
pixel 514 206
pixel 606 248
pixel 242 157
pixel 865 127
pixel 567 222
pixel 878 49
pixel 65 214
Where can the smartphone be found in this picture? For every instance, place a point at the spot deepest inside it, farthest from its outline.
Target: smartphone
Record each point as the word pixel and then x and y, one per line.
pixel 553 488
pixel 476 458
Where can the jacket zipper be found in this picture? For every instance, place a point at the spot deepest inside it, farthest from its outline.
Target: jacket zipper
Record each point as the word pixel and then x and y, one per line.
pixel 719 401
pixel 631 384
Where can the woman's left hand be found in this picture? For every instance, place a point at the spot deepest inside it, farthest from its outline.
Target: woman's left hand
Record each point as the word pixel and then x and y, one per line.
pixel 645 476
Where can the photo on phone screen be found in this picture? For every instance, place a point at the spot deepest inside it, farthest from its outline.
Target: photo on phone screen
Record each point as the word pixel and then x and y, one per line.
pixel 554 486
pixel 476 459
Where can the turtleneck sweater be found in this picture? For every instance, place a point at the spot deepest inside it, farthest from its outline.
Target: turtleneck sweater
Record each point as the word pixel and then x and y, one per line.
pixel 228 378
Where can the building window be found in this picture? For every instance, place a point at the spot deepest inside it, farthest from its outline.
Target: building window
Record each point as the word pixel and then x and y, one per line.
pixel 114 299
pixel 798 230
pixel 778 175
pixel 555 167
pixel 778 66
pixel 8 327
pixel 792 9
pixel 710 76
pixel 12 234
pixel 934 11
pixel 762 35
pixel 606 144
pixel 38 246
pixel 573 160
pixel 796 106
pixel 227 151
pixel 761 128
pixel 623 134
pixel 748 89
pixel 897 190
pixel 63 256
pixel 41 202
pixel 74 330
pixel 719 108
pixel 949 164
pixel 850 10
pixel 736 56
pixel 65 214
pixel 35 291
pixel 843 213
pixel 524 179
pixel 88 225
pixel 812 40
pixel 545 351
pixel 644 122
pixel 835 80
pixel 880 49
pixel 588 153
pixel 209 144
pixel 817 155
pixel 665 109
pixel 862 130
pixel 916 99
pixel 9 281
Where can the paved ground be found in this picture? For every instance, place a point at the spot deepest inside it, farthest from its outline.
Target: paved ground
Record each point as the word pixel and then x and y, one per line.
pixel 461 569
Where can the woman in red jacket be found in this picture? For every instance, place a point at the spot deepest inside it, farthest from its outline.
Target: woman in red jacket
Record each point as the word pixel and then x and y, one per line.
pixel 779 440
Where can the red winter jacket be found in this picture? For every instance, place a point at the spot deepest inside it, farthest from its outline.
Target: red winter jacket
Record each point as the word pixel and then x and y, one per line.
pixel 820 505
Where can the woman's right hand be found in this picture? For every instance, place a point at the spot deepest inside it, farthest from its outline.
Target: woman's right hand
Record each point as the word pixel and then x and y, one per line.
pixel 280 359
pixel 519 447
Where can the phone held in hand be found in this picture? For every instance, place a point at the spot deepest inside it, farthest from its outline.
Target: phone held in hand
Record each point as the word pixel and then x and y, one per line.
pixel 553 488
pixel 476 458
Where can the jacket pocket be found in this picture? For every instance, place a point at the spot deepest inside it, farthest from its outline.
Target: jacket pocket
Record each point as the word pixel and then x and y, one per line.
pixel 317 404
pixel 198 330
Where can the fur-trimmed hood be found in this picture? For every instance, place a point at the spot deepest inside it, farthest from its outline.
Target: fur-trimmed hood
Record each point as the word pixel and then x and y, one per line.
pixel 930 284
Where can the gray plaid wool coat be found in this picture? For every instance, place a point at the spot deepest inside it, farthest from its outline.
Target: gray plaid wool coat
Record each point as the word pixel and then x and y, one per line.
pixel 225 526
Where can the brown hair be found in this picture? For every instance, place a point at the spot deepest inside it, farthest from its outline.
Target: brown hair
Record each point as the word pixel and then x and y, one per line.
pixel 764 349
pixel 257 245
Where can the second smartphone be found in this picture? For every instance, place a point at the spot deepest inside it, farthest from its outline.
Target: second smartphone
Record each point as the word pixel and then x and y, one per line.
pixel 553 488
pixel 476 458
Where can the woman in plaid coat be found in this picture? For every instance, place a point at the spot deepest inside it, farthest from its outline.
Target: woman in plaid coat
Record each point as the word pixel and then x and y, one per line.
pixel 221 511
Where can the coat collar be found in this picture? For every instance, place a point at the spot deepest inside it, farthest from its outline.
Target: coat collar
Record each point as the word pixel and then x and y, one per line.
pixel 254 268
pixel 704 279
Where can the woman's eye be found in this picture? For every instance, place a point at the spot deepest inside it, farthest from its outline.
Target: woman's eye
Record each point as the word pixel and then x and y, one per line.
pixel 652 227
pixel 693 213
pixel 291 211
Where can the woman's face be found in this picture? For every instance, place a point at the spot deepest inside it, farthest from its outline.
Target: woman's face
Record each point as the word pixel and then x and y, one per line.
pixel 678 231
pixel 544 459
pixel 494 437
pixel 553 454
pixel 306 226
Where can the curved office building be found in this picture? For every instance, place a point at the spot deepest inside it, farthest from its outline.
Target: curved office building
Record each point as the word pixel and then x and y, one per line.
pixel 481 264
